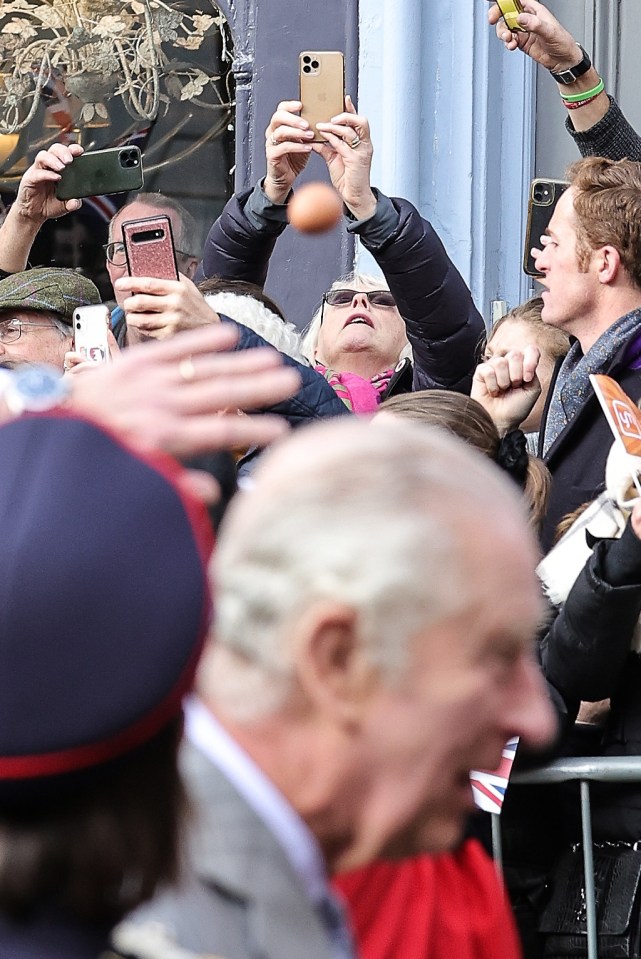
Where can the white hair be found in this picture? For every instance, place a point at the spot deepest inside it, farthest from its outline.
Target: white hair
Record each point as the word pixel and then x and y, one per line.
pixel 371 518
pixel 65 329
pixel 367 281
pixel 250 312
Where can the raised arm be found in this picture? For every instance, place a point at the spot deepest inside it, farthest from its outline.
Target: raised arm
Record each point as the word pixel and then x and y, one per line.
pixel 597 125
pixel 242 239
pixel 443 325
pixel 35 203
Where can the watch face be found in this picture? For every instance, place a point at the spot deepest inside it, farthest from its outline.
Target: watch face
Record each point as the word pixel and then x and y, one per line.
pixel 573 73
pixel 35 389
pixel 37 382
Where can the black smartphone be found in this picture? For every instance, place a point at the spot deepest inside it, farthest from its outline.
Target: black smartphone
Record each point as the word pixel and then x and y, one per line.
pixel 149 247
pixel 544 196
pixel 116 170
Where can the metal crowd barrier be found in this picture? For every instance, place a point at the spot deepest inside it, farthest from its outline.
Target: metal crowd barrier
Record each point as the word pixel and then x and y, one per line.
pixel 619 769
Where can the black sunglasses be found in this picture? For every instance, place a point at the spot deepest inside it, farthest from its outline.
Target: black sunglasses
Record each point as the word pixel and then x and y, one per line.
pixel 345 297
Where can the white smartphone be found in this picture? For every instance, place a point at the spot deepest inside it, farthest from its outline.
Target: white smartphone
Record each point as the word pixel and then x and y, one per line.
pixel 90 326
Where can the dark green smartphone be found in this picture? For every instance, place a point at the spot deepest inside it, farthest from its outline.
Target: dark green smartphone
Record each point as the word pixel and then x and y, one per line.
pixel 115 170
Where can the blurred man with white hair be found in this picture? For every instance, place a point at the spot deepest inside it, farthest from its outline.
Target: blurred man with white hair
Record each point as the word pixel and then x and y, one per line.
pixel 376 603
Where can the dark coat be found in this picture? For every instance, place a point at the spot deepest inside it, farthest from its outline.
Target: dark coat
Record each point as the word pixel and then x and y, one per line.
pixel 315 400
pixel 51 936
pixel 577 457
pixel 443 325
pixel 586 655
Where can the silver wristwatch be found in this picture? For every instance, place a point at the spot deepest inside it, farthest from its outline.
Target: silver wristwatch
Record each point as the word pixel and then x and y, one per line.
pixel 33 389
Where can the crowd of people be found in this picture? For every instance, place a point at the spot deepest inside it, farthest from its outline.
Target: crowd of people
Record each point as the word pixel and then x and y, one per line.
pixel 272 595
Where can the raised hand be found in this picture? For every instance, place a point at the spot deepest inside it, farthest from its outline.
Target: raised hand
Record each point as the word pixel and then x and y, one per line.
pixel 36 198
pixel 287 148
pixel 546 40
pixel 348 155
pixel 508 387
pixel 161 308
pixel 35 203
pixel 176 395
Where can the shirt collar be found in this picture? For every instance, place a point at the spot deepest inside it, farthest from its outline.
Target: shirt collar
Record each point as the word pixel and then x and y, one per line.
pixel 208 735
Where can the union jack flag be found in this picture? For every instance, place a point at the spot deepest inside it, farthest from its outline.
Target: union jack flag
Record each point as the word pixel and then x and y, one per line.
pixel 489 787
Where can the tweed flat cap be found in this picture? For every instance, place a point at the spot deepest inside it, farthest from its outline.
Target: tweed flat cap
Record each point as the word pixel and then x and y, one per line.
pixel 48 288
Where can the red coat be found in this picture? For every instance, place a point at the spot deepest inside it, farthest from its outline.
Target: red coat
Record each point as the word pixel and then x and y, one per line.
pixel 451 906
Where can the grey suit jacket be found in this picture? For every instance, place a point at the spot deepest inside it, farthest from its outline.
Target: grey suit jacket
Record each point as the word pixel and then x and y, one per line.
pixel 240 897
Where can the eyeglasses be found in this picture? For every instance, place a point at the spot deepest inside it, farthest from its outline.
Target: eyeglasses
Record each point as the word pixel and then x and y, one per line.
pixel 115 253
pixel 11 330
pixel 345 297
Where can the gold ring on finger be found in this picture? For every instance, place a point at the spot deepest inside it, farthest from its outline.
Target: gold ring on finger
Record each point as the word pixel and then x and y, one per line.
pixel 186 369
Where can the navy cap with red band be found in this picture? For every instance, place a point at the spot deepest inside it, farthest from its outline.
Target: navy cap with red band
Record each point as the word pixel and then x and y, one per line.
pixel 104 603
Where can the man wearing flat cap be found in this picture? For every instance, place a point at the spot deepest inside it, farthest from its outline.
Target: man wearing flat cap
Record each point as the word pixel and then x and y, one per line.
pixel 36 315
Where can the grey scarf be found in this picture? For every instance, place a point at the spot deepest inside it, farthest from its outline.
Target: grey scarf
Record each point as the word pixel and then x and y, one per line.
pixel 572 386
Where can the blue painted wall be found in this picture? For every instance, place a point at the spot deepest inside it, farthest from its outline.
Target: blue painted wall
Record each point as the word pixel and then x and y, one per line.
pixel 452 125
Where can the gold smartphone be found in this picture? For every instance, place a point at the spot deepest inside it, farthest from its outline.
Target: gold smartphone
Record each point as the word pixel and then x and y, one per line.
pixel 322 86
pixel 510 10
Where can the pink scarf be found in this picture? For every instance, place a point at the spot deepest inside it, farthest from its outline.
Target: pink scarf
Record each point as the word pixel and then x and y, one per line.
pixel 358 395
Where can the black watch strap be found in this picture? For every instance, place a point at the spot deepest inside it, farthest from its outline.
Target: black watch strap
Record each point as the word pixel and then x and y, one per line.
pixel 566 77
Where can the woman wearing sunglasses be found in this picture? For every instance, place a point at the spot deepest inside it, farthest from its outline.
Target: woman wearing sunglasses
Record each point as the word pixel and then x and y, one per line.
pixel 419 314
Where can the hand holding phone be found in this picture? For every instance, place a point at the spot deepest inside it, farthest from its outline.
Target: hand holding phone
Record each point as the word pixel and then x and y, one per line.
pixel 90 328
pixel 159 308
pixel 116 170
pixel 510 10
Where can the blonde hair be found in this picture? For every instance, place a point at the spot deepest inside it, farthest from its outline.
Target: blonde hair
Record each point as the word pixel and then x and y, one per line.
pixel 464 417
pixel 552 341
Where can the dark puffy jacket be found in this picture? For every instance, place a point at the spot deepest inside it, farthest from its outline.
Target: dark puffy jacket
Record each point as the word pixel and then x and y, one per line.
pixel 443 325
pixel 315 400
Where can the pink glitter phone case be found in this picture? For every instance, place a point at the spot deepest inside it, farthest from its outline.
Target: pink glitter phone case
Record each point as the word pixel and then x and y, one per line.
pixel 149 247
